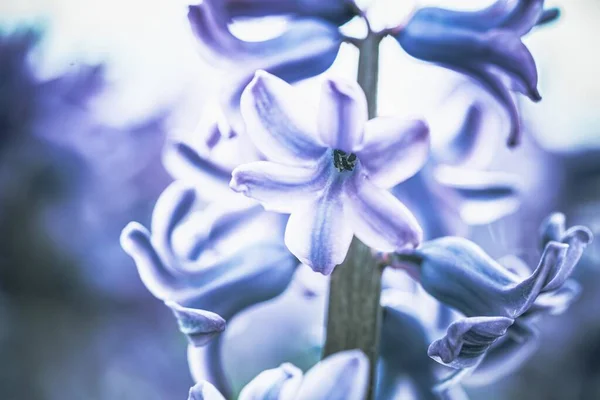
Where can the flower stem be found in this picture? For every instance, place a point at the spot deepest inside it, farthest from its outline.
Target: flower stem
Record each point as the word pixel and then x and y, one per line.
pixel 354 314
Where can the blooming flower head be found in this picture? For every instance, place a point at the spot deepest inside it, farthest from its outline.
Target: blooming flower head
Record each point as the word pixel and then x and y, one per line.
pixel 485 45
pixel 343 376
pixel 330 174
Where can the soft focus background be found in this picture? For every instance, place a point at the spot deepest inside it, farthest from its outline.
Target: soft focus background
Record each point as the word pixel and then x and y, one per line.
pixel 88 93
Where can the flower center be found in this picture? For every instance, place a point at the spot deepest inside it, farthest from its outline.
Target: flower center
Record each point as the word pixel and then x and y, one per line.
pixel 344 161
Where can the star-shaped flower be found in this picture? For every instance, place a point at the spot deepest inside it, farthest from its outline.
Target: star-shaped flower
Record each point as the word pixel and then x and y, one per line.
pixel 330 174
pixel 485 45
pixel 340 376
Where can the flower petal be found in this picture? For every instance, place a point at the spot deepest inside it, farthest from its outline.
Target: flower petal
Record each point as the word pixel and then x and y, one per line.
pixel 342 114
pixel 186 164
pixel 275 384
pixel 319 234
pixel 280 188
pixel 467 341
pixel 200 326
pixel 204 391
pixel 379 219
pixel 393 149
pixel 276 122
pixel 577 238
pixel 307 48
pixel 340 376
pixel 552 228
pixel 484 196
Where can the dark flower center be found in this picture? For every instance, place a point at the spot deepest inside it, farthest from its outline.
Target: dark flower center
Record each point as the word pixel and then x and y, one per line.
pixel 344 161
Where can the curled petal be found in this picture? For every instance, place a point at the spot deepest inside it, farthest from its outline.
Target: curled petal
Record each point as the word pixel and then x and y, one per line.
pixel 343 376
pixel 319 233
pixel 393 149
pixel 200 326
pixel 173 205
pixel 379 219
pixel 158 278
pixel 467 341
pixel 277 123
pixel 552 228
pixel 275 384
pixel 577 238
pixel 208 228
pixel 342 115
pixel 484 196
pixel 209 23
pixel 204 391
pixel 187 165
pixel 279 187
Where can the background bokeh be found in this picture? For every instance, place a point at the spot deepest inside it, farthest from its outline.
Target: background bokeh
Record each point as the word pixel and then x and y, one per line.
pixel 89 92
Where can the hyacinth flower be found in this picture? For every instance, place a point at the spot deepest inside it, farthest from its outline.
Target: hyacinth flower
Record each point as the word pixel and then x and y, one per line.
pixel 331 179
pixel 495 299
pixel 306 48
pixel 225 287
pixel 485 45
pixel 341 376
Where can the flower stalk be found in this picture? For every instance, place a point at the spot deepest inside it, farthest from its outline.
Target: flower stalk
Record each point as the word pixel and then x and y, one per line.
pixel 354 314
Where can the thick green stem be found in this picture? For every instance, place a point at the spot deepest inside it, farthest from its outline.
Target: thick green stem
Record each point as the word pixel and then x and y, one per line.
pixel 354 314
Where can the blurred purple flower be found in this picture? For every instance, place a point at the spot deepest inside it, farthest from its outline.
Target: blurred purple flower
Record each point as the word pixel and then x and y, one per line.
pixel 331 178
pixel 449 193
pixel 485 45
pixel 343 375
pixel 306 48
pixel 226 286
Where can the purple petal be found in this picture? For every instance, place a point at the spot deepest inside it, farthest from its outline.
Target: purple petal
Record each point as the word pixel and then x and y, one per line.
pixel 204 391
pixel 577 238
pixel 342 115
pixel 379 219
pixel 307 48
pixel 274 384
pixel 200 326
pixel 340 376
pixel 154 273
pixel 279 187
pixel 393 149
pixel 552 228
pixel 319 234
pixel 467 341
pixel 557 301
pixel 277 122
pixel 187 165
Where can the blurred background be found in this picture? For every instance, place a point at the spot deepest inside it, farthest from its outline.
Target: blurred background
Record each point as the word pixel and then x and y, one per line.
pixel 89 91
